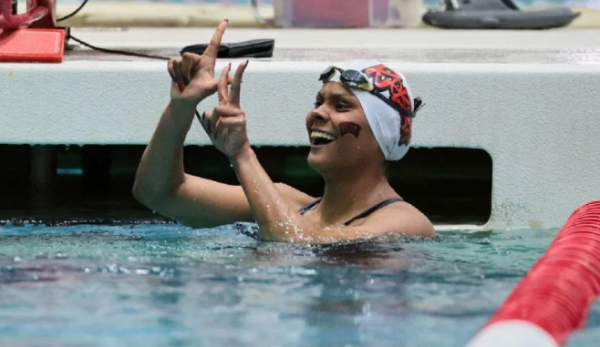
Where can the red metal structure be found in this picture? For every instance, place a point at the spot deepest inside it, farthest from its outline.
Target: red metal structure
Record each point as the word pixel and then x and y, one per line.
pixel 32 36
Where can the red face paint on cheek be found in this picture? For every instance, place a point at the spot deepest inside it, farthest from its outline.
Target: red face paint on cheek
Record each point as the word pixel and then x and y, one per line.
pixel 349 128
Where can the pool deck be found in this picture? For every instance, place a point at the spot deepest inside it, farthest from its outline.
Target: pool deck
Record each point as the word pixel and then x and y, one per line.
pixel 193 14
pixel 531 99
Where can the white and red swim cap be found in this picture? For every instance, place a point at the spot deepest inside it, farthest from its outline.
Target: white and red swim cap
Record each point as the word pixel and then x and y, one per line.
pixel 392 129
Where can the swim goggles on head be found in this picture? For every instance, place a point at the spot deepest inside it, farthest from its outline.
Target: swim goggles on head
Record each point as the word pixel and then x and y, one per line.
pixel 358 80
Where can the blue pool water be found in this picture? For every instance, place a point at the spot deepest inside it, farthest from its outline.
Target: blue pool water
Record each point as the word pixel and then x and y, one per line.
pixel 166 285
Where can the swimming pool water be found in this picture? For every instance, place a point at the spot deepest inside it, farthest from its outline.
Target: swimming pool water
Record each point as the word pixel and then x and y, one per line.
pixel 167 285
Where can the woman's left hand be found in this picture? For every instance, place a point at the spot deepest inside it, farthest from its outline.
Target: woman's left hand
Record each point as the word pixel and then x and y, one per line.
pixel 226 124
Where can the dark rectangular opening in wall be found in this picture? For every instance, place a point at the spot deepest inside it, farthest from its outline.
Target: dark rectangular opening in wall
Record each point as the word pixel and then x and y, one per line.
pixel 79 183
pixel 449 185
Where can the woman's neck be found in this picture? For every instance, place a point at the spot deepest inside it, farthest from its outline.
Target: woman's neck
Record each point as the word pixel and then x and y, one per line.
pixel 353 191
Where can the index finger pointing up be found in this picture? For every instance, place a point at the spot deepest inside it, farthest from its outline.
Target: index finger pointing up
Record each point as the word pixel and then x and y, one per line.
pixel 213 47
pixel 222 85
pixel 236 85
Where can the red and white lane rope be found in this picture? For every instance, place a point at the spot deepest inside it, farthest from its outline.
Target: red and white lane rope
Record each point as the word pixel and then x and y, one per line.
pixel 554 298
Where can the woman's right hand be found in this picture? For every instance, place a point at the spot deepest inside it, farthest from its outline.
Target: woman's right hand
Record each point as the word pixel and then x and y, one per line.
pixel 197 71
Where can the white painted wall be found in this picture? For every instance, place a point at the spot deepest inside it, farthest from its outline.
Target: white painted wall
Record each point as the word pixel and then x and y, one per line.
pixel 539 122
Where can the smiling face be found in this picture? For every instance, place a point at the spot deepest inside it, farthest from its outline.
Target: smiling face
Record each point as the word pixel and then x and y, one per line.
pixel 332 128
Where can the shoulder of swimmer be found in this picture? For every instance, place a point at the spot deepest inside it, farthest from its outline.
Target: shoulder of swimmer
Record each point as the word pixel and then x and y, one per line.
pixel 400 217
pixel 294 197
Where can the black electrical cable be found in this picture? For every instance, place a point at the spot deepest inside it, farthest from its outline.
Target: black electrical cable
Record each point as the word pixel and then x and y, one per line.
pixel 105 50
pixel 117 51
pixel 74 12
pixel 100 49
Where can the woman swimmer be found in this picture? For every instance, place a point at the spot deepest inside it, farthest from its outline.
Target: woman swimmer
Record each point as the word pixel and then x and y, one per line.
pixel 361 119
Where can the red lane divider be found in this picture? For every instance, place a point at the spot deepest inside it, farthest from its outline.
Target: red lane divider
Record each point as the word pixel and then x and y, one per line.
pixel 559 289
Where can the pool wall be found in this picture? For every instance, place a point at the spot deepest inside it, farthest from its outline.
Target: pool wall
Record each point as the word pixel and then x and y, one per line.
pixel 539 121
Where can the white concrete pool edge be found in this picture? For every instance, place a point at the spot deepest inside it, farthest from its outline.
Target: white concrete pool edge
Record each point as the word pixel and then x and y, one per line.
pixel 539 122
pixel 329 39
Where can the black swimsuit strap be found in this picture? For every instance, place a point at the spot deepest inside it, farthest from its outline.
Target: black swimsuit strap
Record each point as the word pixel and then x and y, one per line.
pixel 310 206
pixel 380 205
pixel 373 209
